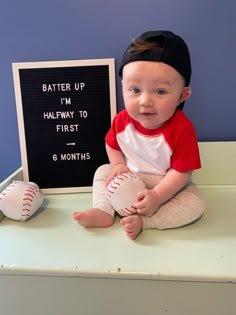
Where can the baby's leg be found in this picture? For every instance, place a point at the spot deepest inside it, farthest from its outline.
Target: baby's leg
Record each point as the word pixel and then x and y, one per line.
pixel 186 207
pixel 102 214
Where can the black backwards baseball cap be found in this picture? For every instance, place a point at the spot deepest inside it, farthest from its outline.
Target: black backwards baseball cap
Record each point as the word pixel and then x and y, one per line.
pixel 174 52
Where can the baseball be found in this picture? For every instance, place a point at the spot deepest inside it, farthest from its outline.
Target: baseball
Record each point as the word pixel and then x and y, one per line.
pixel 20 200
pixel 122 193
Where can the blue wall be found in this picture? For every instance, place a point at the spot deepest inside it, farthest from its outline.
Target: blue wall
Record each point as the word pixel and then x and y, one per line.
pixel 84 29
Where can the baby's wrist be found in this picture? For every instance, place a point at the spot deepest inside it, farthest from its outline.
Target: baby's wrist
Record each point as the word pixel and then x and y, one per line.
pixel 117 165
pixel 120 168
pixel 157 194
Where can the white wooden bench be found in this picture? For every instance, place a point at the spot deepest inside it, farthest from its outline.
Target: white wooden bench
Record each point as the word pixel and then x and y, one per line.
pixel 51 265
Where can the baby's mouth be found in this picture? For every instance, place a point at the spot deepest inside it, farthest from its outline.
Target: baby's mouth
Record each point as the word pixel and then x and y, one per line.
pixel 148 114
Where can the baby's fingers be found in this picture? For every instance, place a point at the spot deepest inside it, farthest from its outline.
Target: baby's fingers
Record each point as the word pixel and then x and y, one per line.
pixel 140 196
pixel 140 204
pixel 109 179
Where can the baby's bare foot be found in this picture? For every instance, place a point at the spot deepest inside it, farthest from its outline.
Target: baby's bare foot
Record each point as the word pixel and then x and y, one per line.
pixel 93 218
pixel 133 225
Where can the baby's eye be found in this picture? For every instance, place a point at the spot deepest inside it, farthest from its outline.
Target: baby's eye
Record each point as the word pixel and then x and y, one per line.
pixel 160 92
pixel 135 90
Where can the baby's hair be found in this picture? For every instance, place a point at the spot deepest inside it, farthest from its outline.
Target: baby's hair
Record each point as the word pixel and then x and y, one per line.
pixel 139 45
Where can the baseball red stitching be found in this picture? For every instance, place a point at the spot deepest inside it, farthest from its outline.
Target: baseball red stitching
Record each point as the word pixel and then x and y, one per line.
pixel 31 193
pixel 126 175
pixel 124 211
pixel 122 177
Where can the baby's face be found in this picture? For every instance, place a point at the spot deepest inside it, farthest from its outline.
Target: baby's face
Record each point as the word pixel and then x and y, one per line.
pixel 152 91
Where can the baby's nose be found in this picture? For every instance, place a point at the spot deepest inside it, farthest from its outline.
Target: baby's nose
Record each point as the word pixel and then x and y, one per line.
pixel 146 100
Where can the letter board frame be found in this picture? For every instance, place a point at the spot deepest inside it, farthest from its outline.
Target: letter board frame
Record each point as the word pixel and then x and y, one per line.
pixel 64 109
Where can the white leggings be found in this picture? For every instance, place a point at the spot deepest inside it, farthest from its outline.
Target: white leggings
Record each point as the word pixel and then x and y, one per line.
pixel 185 207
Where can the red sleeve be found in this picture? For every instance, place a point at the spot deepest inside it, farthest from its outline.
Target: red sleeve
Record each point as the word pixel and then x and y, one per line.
pixel 117 126
pixel 186 155
pixel 182 139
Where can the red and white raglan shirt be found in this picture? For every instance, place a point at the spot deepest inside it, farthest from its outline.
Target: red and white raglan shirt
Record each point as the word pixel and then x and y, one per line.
pixel 155 151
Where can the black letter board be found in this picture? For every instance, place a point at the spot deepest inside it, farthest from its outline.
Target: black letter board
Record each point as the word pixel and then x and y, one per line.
pixel 64 110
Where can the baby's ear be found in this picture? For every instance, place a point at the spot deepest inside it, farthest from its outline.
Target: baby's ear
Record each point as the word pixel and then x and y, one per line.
pixel 186 93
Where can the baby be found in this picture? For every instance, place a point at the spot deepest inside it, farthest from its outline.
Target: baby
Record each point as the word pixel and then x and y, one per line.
pixel 152 138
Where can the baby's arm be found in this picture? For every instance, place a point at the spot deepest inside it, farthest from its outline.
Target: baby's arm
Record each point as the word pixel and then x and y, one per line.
pixel 148 201
pixel 117 161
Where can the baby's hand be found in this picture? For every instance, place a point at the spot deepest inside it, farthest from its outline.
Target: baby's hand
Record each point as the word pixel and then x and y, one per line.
pixel 147 202
pixel 117 170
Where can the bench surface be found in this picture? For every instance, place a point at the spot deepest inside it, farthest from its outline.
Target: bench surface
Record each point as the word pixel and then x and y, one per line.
pixel 52 243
